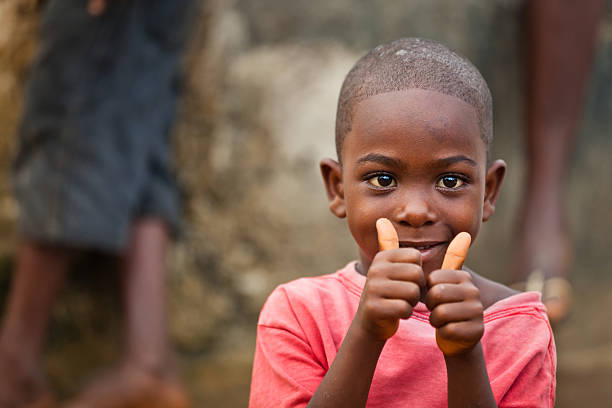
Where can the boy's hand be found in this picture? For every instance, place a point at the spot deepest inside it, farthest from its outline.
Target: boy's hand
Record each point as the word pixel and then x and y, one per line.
pixel 454 301
pixel 393 285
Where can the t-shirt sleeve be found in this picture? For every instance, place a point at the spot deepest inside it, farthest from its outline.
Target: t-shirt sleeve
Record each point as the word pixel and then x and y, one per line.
pixel 286 372
pixel 521 360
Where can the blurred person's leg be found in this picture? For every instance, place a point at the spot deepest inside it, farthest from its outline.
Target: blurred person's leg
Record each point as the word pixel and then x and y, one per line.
pixel 146 376
pixel 38 277
pixel 55 214
pixel 93 154
pixel 144 296
pixel 148 87
pixel 561 36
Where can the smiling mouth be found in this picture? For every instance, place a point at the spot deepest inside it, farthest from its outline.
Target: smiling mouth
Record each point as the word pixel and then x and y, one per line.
pixel 419 245
pixel 425 248
pixel 431 251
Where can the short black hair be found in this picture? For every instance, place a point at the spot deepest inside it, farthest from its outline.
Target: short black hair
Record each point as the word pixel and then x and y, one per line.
pixel 414 63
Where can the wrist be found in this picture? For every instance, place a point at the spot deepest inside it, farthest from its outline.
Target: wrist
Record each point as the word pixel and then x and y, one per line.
pixel 472 354
pixel 468 380
pixel 364 338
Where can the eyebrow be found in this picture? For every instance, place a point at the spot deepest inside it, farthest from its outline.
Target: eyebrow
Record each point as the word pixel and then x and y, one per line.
pixel 456 159
pixel 389 161
pixel 379 158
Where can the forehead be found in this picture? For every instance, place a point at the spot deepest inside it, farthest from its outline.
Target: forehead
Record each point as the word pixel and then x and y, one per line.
pixel 424 121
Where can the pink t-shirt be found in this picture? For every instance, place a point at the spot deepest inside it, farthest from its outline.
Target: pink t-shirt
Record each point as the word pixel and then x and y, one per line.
pixel 303 323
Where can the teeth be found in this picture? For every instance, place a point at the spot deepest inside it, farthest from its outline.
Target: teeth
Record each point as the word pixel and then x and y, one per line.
pixel 420 247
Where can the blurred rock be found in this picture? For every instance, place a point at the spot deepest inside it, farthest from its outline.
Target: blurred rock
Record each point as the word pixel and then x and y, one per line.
pixel 257 210
pixel 18 23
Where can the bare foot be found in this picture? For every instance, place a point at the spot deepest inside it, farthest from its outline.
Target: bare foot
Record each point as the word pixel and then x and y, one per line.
pixel 133 387
pixel 543 258
pixel 22 385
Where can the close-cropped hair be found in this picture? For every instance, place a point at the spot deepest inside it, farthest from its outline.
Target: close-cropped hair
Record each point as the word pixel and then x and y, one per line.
pixel 414 63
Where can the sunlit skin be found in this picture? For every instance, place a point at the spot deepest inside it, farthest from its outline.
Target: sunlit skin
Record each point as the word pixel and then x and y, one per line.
pixel 414 142
pixel 453 260
pixel 415 158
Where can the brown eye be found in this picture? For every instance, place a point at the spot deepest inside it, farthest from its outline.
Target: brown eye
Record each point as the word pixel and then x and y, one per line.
pixel 382 181
pixel 450 182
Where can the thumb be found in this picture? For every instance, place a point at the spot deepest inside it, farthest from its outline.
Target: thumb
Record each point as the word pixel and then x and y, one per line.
pixel 387 236
pixel 457 251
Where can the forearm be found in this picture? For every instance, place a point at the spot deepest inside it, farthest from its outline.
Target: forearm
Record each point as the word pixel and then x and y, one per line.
pixel 348 380
pixel 468 381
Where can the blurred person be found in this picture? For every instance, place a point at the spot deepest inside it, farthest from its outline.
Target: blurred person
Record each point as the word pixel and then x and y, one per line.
pixel 561 40
pixel 92 173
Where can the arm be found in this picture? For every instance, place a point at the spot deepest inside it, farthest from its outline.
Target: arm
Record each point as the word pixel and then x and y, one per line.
pixel 468 382
pixel 457 315
pixel 392 288
pixel 289 367
pixel 347 383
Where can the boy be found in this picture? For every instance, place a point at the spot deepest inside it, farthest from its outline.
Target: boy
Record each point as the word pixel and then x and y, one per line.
pixel 413 133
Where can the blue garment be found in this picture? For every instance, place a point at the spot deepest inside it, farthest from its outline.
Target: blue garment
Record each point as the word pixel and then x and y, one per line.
pixel 94 148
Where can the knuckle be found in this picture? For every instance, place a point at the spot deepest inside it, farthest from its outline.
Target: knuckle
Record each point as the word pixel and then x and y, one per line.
pixel 443 312
pixel 431 278
pixel 480 326
pixel 474 331
pixel 373 287
pixel 378 258
pixel 412 253
pixel 417 255
pixel 476 324
pixel 375 271
pixel 464 276
pixel 415 271
pixel 435 293
pixel 405 310
pixel 433 320
pixel 477 309
pixel 472 291
pixel 480 330
pixel 447 331
pixel 414 288
pixel 440 314
pixel 414 294
pixel 456 331
pixel 370 307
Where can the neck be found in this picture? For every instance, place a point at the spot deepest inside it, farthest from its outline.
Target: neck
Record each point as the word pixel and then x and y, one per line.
pixel 364 264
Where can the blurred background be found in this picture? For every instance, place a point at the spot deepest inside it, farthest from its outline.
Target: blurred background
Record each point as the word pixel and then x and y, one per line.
pixel 257 116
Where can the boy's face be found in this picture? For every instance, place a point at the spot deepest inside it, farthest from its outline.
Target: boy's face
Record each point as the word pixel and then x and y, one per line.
pixel 415 157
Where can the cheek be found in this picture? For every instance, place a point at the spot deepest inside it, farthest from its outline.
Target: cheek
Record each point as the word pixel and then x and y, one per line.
pixel 361 221
pixel 467 216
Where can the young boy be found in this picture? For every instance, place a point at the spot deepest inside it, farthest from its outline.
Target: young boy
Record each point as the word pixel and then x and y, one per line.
pixel 413 133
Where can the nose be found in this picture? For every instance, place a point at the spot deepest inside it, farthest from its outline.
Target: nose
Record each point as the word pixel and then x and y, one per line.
pixel 416 210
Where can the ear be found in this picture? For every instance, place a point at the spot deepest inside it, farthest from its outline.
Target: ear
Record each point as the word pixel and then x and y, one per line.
pixel 493 181
pixel 331 171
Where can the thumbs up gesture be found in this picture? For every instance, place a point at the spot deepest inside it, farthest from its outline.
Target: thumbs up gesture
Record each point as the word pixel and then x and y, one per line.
pixel 454 301
pixel 393 286
pixel 395 282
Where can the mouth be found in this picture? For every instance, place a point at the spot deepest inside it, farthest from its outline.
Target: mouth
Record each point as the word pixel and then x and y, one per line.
pixel 426 248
